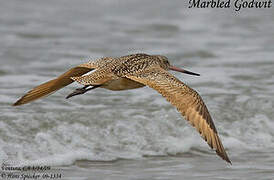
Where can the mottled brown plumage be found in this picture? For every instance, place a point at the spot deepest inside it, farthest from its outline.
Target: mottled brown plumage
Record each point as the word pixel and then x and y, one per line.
pixel 135 71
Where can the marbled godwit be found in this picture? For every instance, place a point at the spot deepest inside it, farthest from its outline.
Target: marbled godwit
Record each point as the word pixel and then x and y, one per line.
pixel 135 71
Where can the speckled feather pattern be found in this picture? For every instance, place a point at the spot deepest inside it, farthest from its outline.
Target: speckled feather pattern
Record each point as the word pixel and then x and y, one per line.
pixel 109 68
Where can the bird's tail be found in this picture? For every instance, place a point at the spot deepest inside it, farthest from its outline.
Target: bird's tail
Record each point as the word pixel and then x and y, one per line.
pixel 51 86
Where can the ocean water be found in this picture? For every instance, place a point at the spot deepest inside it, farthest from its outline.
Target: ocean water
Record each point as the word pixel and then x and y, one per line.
pixel 136 134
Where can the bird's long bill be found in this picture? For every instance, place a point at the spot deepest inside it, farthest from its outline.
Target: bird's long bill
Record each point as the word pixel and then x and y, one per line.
pixel 173 68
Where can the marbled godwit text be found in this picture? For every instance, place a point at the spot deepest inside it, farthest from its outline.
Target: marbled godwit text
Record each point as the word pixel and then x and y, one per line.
pixel 238 4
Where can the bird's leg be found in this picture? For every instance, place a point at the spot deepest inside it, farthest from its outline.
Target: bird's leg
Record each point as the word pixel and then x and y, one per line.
pixel 82 90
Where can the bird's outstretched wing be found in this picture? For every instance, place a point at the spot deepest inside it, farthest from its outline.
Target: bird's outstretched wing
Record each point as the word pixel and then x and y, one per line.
pixel 74 74
pixel 51 86
pixel 187 101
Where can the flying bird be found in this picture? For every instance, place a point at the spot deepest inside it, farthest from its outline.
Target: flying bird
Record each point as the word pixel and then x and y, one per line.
pixel 136 71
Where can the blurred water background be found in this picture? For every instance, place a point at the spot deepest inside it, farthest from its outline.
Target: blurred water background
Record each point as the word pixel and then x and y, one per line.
pixel 136 134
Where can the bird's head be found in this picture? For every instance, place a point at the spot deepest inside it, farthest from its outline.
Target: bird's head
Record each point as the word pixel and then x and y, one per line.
pixel 164 63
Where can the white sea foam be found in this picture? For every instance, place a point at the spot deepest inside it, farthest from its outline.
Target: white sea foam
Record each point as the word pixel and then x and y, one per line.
pixel 148 127
pixel 140 125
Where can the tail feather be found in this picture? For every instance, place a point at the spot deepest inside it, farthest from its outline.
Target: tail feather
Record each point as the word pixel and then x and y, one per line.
pixel 51 86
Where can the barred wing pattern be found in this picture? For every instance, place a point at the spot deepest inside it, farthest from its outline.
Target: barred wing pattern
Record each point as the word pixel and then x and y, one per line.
pixel 51 86
pixel 187 101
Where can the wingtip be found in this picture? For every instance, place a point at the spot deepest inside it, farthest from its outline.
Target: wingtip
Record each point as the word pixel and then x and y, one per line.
pixel 227 160
pixel 18 103
pixel 225 157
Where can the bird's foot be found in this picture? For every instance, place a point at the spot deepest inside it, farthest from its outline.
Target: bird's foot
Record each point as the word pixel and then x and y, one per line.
pixel 81 91
pixel 76 92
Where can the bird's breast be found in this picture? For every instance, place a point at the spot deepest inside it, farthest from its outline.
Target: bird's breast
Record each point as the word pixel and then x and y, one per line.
pixel 122 84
